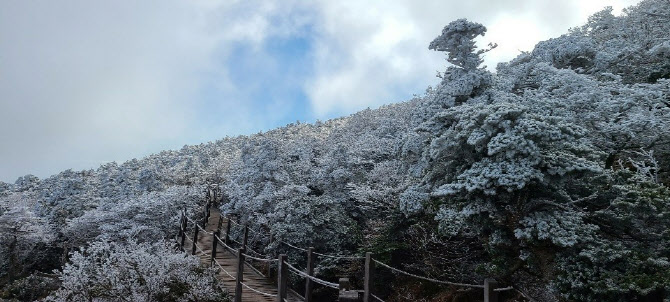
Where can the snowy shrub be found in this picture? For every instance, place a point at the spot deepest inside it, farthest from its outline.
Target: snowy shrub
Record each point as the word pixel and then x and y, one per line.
pixel 27 240
pixel 32 288
pixel 136 272
pixel 26 183
pixel 630 257
pixel 147 218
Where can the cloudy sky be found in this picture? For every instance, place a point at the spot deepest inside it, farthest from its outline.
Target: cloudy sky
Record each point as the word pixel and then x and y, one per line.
pixel 87 82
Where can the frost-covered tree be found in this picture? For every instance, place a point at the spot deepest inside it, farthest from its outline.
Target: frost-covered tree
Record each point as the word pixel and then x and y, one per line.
pixel 550 175
pixel 515 164
pixel 136 272
pixel 26 183
pixel 68 195
pixel 494 165
pixel 27 240
pixel 627 257
pixel 146 218
pixel 457 39
pixel 466 79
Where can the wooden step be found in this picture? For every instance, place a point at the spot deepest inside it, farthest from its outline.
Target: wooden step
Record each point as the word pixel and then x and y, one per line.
pixel 229 262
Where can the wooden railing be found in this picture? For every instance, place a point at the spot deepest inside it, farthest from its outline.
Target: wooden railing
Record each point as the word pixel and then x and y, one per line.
pixel 489 287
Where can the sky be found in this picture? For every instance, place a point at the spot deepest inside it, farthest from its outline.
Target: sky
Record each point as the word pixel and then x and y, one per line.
pixel 85 82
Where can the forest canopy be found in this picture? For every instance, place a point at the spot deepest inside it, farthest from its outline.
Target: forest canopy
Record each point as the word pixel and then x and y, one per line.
pixel 549 174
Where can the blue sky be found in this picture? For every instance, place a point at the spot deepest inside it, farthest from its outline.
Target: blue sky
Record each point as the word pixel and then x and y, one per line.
pixel 87 82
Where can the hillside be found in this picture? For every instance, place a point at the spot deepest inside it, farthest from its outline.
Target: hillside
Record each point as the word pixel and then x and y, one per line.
pixel 550 175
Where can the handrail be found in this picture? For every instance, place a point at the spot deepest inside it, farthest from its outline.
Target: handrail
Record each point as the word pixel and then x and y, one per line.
pixel 255 252
pixel 257 291
pixel 426 278
pixel 489 286
pixel 293 246
pixel 202 229
pixel 502 289
pixel 232 250
pixel 224 270
pixel 316 280
pixel 195 243
pixel 260 259
pixel 339 257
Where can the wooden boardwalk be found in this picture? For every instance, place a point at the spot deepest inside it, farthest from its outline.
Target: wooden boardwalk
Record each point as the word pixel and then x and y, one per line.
pixel 255 287
pixel 228 262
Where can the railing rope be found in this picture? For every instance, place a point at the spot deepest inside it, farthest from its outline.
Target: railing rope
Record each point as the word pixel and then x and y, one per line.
pixel 256 232
pixel 258 291
pixel 203 229
pixel 320 254
pixel 426 278
pixel 260 259
pixel 490 287
pixel 502 289
pixel 315 279
pixel 228 247
pixel 255 252
pixel 293 246
pixel 336 257
pixel 224 270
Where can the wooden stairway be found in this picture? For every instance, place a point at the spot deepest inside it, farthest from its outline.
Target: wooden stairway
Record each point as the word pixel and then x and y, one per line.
pixel 228 262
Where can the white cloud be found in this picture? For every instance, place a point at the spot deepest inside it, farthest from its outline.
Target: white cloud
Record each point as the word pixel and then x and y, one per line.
pixel 83 82
pixel 370 53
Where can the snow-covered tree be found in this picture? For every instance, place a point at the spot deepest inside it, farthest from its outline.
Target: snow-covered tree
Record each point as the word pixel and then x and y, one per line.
pixel 136 272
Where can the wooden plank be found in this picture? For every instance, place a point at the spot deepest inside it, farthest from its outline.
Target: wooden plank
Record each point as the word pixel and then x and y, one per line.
pixel 228 261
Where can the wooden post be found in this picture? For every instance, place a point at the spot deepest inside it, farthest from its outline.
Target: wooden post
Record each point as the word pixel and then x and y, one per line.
pixel 490 295
pixel 240 274
pixel 214 244
pixel 246 236
pixel 181 222
pixel 206 219
pixel 367 282
pixel 181 229
pixel 267 263
pixel 218 226
pixel 282 278
pixel 309 270
pixel 195 238
pixel 227 239
pixel 183 232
